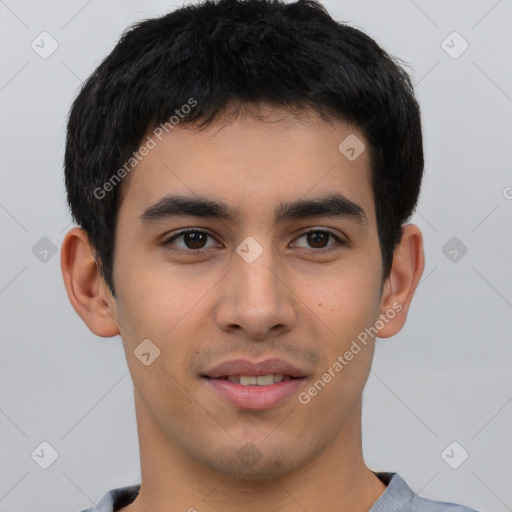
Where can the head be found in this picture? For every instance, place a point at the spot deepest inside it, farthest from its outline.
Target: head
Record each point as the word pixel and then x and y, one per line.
pixel 243 110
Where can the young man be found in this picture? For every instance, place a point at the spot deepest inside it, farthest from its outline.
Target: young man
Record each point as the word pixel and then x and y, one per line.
pixel 241 172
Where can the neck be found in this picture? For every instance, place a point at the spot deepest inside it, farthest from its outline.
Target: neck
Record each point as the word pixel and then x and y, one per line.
pixel 172 481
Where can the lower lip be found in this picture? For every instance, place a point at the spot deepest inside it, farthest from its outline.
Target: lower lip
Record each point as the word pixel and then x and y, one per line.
pixel 256 398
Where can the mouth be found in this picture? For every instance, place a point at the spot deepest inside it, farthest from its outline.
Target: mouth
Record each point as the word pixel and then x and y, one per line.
pixel 255 385
pixel 260 380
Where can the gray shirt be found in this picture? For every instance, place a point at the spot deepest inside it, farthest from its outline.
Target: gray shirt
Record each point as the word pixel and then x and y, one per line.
pixel 398 497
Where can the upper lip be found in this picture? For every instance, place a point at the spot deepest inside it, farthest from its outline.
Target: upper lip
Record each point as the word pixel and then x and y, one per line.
pixel 252 368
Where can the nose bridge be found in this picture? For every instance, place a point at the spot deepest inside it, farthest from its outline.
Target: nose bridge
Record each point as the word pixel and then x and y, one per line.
pixel 258 286
pixel 255 298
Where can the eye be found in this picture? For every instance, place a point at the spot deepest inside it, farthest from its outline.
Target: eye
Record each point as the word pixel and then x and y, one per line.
pixel 195 240
pixel 192 239
pixel 319 238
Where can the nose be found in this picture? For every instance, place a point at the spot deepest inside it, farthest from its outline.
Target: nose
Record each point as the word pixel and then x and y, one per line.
pixel 257 301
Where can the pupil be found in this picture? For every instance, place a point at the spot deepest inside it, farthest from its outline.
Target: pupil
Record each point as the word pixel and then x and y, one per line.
pixel 193 240
pixel 317 238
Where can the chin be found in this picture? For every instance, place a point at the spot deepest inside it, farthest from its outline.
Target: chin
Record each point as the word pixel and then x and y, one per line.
pixel 250 465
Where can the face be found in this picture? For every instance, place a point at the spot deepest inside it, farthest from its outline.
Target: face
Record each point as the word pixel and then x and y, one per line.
pixel 250 287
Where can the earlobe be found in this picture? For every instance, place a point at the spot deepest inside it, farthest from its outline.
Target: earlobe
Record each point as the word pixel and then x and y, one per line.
pixel 408 264
pixel 85 287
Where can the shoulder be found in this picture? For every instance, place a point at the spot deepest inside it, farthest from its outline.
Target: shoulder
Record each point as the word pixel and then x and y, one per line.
pixel 398 496
pixel 115 499
pixel 420 504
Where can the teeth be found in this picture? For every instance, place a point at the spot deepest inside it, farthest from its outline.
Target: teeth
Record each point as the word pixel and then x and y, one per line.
pixel 249 380
pixel 265 380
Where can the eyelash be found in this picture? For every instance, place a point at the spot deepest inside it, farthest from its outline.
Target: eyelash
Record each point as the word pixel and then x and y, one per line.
pixel 167 243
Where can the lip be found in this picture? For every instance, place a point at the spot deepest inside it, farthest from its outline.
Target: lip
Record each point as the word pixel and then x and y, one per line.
pixel 256 398
pixel 254 369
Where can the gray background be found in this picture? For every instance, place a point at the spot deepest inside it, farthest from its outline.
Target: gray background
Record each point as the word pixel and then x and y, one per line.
pixel 446 377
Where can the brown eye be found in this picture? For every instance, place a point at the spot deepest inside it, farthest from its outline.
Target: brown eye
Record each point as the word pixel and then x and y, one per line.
pixel 319 239
pixel 192 240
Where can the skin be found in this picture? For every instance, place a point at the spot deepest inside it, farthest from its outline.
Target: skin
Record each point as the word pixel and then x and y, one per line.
pixel 291 302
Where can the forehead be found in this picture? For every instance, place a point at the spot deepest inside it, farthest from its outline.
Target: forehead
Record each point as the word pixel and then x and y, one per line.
pixel 252 162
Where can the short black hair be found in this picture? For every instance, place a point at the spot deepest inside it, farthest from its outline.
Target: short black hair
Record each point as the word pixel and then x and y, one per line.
pixel 290 55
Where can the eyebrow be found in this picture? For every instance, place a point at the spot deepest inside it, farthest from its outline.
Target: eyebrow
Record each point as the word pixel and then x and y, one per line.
pixel 332 205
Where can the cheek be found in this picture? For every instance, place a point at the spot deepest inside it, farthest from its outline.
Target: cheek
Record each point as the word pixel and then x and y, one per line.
pixel 348 299
pixel 153 299
pixel 164 311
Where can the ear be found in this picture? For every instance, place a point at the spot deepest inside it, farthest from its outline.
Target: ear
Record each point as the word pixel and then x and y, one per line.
pixel 86 289
pixel 399 288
